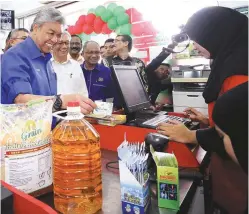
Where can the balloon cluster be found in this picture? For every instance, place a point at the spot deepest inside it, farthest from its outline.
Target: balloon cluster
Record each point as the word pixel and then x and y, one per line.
pixel 103 20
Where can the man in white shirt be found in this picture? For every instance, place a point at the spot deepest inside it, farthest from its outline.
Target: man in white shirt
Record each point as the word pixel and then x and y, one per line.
pixel 70 78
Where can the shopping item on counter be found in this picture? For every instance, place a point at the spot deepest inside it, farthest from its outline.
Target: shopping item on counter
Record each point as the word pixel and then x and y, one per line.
pixel 25 139
pixel 134 177
pixel 167 179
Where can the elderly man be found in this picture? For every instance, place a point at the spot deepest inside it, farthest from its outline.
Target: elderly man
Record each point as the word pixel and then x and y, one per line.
pixel 27 72
pixel 70 78
pixel 98 77
pixel 75 48
pixel 15 37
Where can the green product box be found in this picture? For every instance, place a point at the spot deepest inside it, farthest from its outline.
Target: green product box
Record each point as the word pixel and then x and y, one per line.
pixel 167 180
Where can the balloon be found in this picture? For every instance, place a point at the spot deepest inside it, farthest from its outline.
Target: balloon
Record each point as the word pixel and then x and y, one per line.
pixel 81 20
pixel 112 6
pixel 84 37
pixel 118 30
pixel 106 16
pixel 77 29
pixel 87 29
pixel 105 29
pixel 98 24
pixel 129 13
pixel 100 10
pixel 125 29
pixel 122 19
pixel 70 30
pixel 90 19
pixel 118 10
pixel 112 23
pixel 91 11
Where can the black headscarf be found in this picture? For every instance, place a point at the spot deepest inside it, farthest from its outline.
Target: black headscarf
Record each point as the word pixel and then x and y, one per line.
pixel 230 114
pixel 224 33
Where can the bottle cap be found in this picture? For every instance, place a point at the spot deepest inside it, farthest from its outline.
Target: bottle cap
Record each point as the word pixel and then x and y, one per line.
pixel 73 104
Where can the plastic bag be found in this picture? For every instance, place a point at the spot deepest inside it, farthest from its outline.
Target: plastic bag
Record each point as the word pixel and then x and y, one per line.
pixel 25 138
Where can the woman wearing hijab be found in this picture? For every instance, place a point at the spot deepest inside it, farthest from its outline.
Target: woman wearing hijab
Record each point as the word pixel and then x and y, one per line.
pixel 220 34
pixel 235 137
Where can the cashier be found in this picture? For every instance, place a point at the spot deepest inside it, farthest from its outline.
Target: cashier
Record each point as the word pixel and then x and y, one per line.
pixel 27 73
pixel 220 34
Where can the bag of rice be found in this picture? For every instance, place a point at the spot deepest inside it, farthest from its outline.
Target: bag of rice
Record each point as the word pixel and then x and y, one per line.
pixel 25 138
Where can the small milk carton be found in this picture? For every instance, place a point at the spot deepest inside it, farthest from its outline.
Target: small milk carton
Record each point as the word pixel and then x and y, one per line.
pixel 167 180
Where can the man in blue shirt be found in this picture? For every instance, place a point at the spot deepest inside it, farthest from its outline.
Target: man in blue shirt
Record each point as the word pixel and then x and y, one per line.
pixel 98 77
pixel 27 72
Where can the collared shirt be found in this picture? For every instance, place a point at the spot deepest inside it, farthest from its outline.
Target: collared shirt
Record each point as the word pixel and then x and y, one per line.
pixel 25 70
pixel 99 82
pixel 70 79
pixel 79 60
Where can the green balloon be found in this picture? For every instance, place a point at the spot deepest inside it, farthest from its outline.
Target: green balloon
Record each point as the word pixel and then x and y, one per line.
pixel 118 30
pixel 84 36
pixel 125 29
pixel 112 23
pixel 106 16
pixel 111 6
pixel 118 10
pixel 100 10
pixel 91 11
pixel 122 19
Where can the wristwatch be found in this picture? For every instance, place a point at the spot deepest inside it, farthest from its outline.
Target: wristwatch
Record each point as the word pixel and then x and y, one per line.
pixel 58 102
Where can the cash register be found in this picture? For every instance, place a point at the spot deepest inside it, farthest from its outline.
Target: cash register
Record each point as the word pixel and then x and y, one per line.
pixel 135 99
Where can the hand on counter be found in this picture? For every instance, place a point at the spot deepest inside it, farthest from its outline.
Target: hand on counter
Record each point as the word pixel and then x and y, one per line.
pixel 177 131
pixel 196 116
pixel 87 105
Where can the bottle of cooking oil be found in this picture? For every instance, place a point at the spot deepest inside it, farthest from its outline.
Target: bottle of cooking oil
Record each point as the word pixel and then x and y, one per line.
pixel 76 165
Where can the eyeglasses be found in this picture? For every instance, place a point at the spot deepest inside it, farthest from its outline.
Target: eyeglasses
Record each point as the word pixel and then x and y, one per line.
pixel 93 52
pixel 21 38
pixel 63 43
pixel 118 40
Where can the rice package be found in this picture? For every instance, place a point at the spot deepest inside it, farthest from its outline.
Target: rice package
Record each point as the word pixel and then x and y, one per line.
pixel 25 138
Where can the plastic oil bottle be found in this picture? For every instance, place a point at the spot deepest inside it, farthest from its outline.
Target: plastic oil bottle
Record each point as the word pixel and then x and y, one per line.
pixel 76 165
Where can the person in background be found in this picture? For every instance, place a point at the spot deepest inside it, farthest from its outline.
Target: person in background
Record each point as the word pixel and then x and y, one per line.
pixel 27 72
pixel 109 52
pixel 228 48
pixel 102 52
pixel 15 37
pixel 98 77
pixel 70 79
pixel 159 80
pixel 75 49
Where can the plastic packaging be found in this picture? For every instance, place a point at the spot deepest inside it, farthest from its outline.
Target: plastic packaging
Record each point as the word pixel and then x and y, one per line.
pixel 77 165
pixel 26 154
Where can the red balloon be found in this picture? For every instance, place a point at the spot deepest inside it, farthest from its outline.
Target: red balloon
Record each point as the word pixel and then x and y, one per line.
pixel 70 30
pixel 98 25
pixel 77 29
pixel 129 12
pixel 136 16
pixel 82 19
pixel 87 29
pixel 105 29
pixel 90 19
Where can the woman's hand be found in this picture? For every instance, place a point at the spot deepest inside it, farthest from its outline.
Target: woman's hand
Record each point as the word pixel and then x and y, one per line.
pixel 197 116
pixel 177 131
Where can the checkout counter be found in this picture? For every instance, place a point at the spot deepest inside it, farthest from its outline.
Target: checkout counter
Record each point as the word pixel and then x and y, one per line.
pixel 111 137
pixel 188 85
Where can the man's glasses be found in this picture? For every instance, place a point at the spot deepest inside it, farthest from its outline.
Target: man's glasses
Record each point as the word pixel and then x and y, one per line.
pixel 93 52
pixel 21 38
pixel 63 43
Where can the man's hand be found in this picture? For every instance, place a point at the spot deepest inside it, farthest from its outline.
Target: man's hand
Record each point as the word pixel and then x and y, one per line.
pixel 195 115
pixel 177 131
pixel 86 104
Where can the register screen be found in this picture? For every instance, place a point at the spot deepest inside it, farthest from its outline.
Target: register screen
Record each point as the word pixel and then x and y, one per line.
pixel 131 87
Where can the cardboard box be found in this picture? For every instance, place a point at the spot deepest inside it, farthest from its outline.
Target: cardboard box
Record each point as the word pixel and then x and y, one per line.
pixel 135 197
pixel 167 180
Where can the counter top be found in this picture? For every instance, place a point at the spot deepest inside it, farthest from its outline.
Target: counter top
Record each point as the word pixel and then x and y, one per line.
pixel 111 190
pixel 200 80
